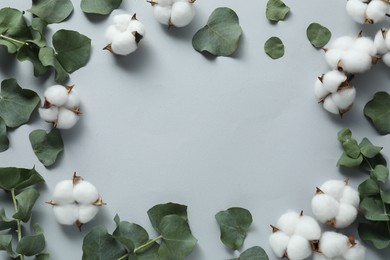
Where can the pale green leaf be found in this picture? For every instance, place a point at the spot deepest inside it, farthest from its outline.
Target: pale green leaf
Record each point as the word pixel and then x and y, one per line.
pixel 378 111
pixel 42 257
pixel 368 149
pixel 318 35
pixel 158 212
pixel 351 148
pixel 25 201
pixel 47 146
pixel 38 24
pixel 274 48
pixel 344 135
pixel 380 173
pixel 149 253
pixel 13 25
pixel 51 11
pixel 253 253
pixel 129 234
pixel 30 52
pixel 48 58
pixel 347 161
pixel 368 188
pixel 99 7
pixel 33 244
pixel 276 10
pixel 18 178
pixel 6 245
pixel 5 222
pixel 375 209
pixel 376 232
pixel 385 196
pixel 221 35
pixel 4 142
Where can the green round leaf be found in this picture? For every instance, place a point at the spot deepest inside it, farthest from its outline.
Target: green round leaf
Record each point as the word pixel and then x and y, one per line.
pixel 99 7
pixel 16 104
pixel 47 146
pixel 318 35
pixel 253 253
pixel 378 110
pixel 276 10
pixel 221 35
pixel 129 234
pixel 51 11
pixel 32 245
pixel 368 149
pixel 158 212
pixel 5 222
pixel 368 188
pixel 374 210
pixel 349 162
pixel 376 232
pixel 274 48
pixel 26 200
pixel 6 245
pixel 4 142
pixel 380 173
pixel 18 178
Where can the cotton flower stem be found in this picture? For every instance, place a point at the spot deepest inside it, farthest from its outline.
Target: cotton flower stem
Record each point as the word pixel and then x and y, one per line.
pixel 12 40
pixel 141 247
pixel 19 227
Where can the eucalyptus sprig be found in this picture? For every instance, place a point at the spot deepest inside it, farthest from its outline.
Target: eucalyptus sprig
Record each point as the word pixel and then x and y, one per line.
pixel 374 197
pixel 18 182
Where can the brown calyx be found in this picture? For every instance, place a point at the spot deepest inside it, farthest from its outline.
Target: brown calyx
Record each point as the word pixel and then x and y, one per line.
pixel 138 37
pixel 108 48
pixel 99 202
pixel 76 178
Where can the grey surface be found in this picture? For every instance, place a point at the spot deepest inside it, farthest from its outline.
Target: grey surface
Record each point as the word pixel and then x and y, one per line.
pixel 169 124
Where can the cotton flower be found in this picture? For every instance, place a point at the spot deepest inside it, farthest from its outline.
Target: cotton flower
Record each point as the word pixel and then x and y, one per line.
pixel 177 13
pixel 367 12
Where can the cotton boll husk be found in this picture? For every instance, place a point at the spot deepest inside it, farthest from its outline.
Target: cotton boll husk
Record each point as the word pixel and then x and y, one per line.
pixel 343 43
pixel 357 10
pixel 333 244
pixel 357 252
pixel 333 79
pixel 386 59
pixel 319 91
pixel 85 192
pixel 298 248
pixel 333 56
pixel 73 100
pixel 308 228
pixel 56 95
pixel 278 242
pixel 63 192
pixel 380 43
pixel 376 10
pixel 111 33
pixel 287 222
pixel 124 44
pixel 162 13
pixel 324 207
pixel 330 106
pixel 66 214
pixel 136 26
pixel 66 118
pixel 344 98
pixel 48 114
pixel 122 20
pixel 335 188
pixel 356 61
pixel 350 196
pixel 346 216
pixel 365 44
pixel 182 13
pixel 87 213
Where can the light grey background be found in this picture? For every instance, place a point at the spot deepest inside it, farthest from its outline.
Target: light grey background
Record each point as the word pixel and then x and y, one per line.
pixel 167 123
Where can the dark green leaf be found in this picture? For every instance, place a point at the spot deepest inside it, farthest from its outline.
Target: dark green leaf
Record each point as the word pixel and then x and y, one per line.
pixel 178 241
pixel 377 232
pixel 6 223
pixel 99 7
pixel 276 10
pixel 150 253
pixel 47 146
pixel 51 11
pixel 385 196
pixel 32 245
pixel 374 209
pixel 31 53
pixel 368 149
pixel 368 188
pixel 48 58
pixel 13 26
pixel 234 224
pixel 221 35
pixel 38 24
pixel 18 178
pixel 42 257
pixel 99 245
pixel 26 200
pixel 378 110
pixel 6 245
pixel 129 234
pixel 159 211
pixel 16 104
pixel 274 48
pixel 344 135
pixel 347 161
pixel 380 173
pixel 4 142
pixel 351 148
pixel 370 163
pixel 253 253
pixel 318 35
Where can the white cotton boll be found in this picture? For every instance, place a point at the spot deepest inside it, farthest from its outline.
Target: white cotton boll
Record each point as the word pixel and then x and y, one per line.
pixel 66 214
pixel 356 61
pixel 162 13
pixel 380 43
pixel 333 56
pixel 48 114
pixel 298 248
pixel 164 2
pixel 376 10
pixel 136 26
pixel 319 91
pixel 350 196
pixel 123 20
pixel 278 242
pixel 387 36
pixel 386 59
pixel 335 188
pixel 308 228
pixel 111 33
pixel 357 252
pixel 87 213
pixel 66 118
pixel 333 79
pixel 333 244
pixel 342 43
pixel 344 98
pixel 63 192
pixel 346 216
pixel 56 95
pixel 124 44
pixel 324 207
pixel 73 100
pixel 85 192
pixel 357 10
pixel 319 256
pixel 182 13
pixel 365 44
pixel 287 222
pixel 330 106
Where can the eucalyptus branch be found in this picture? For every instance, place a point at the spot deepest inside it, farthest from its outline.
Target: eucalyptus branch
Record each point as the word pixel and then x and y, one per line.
pixel 19 227
pixel 141 247
pixel 7 38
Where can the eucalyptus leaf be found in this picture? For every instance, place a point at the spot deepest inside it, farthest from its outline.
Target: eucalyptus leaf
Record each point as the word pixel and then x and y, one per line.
pixel 47 146
pixel 375 209
pixel 376 232
pixel 318 35
pixel 368 188
pixel 351 148
pixel 6 245
pixel 4 142
pixel 158 212
pixel 344 135
pixel 385 196
pixel 129 234
pixel 99 7
pixel 42 257
pixel 31 53
pixel 274 48
pixel 5 222
pixel 47 56
pixel 368 149
pixel 149 253
pixel 347 161
pixel 18 178
pixel 16 104
pixel 221 35
pixel 253 253
pixel 370 163
pixel 378 111
pixel 33 244
pixel 276 10
pixel 99 245
pixel 234 224
pixel 13 26
pixel 51 11
pixel 178 241
pixel 25 201
pixel 38 24
pixel 380 173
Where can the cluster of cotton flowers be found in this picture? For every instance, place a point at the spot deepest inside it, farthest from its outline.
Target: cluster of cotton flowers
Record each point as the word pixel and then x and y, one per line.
pixel 61 106
pixel 124 35
pixel 177 13
pixel 336 203
pixel 367 11
pixel 382 43
pixel 75 201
